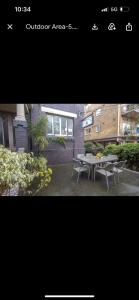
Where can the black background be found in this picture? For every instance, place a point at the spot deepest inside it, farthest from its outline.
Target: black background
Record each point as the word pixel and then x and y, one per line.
pixel 66 245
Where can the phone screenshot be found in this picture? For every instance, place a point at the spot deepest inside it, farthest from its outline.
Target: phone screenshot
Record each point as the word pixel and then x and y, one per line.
pixel 33 18
pixel 69 149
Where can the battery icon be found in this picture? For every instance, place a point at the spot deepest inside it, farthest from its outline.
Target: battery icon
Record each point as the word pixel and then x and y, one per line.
pixel 124 8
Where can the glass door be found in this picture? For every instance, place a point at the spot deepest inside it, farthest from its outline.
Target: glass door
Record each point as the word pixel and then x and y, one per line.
pixel 137 129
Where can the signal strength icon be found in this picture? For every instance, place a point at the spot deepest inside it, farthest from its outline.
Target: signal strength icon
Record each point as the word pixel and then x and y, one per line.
pixel 105 9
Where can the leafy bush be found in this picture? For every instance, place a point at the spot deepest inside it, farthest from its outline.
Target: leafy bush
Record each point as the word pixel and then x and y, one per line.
pixel 20 171
pixel 58 139
pixel 99 145
pixel 88 147
pixel 128 151
pixel 38 132
pixel 61 141
pixel 112 149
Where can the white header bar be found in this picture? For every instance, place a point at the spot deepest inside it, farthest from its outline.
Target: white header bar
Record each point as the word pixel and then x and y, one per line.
pixel 58 112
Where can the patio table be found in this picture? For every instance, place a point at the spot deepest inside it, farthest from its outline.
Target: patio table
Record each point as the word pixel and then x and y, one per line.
pixel 93 161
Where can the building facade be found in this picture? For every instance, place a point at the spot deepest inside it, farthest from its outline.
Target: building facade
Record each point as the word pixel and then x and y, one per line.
pixel 64 120
pixel 115 123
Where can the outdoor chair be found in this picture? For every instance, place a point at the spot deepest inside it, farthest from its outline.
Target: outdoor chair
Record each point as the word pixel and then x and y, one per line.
pixel 106 171
pixel 79 168
pixel 112 161
pixel 119 168
pixel 80 156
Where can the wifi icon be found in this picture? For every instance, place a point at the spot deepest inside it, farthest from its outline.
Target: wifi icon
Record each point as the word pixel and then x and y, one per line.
pixel 105 9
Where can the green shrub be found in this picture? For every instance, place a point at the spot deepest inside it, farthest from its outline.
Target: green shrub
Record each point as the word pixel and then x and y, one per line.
pixel 99 145
pixel 20 171
pixel 94 145
pixel 127 151
pixel 88 147
pixel 61 140
pixel 57 139
pixel 111 149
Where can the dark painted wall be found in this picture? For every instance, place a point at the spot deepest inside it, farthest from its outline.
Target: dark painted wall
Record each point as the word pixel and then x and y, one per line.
pixel 55 152
pixel 21 134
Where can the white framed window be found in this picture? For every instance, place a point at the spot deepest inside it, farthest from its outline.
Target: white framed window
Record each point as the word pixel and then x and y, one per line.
pixel 87 121
pixel 126 126
pixel 60 126
pixel 98 128
pixel 57 125
pixel 63 126
pixel 50 124
pixel 98 112
pixel 70 127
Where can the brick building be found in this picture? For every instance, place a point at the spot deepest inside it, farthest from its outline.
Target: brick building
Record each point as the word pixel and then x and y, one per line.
pixel 63 120
pixel 113 123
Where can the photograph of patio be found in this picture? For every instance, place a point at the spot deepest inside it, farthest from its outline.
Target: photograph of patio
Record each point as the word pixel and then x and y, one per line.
pixel 64 185
pixel 69 149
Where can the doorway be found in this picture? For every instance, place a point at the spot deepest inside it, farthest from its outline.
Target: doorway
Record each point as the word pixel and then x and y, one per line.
pixel 137 129
pixel 7 134
pixel 2 141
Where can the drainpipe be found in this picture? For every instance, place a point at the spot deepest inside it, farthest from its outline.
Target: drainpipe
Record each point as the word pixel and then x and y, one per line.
pixel 118 130
pixel 73 146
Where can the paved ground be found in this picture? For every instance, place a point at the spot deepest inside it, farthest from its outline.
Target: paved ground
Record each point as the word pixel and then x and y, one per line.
pixel 63 184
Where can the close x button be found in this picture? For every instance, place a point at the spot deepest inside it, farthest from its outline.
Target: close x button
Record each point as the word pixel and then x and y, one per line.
pixel 9 26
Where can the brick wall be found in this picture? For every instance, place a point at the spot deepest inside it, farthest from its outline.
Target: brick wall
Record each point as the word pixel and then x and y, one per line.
pixel 108 121
pixel 55 152
pixel 111 125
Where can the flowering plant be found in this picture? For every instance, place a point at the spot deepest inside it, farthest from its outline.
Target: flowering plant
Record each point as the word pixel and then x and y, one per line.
pixel 99 155
pixel 19 171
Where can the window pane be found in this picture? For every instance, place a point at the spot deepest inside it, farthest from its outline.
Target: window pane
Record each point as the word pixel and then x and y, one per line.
pixel 88 121
pixel 98 128
pixel 126 125
pixel 70 127
pixel 98 112
pixel 50 124
pixel 56 125
pixel 63 126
